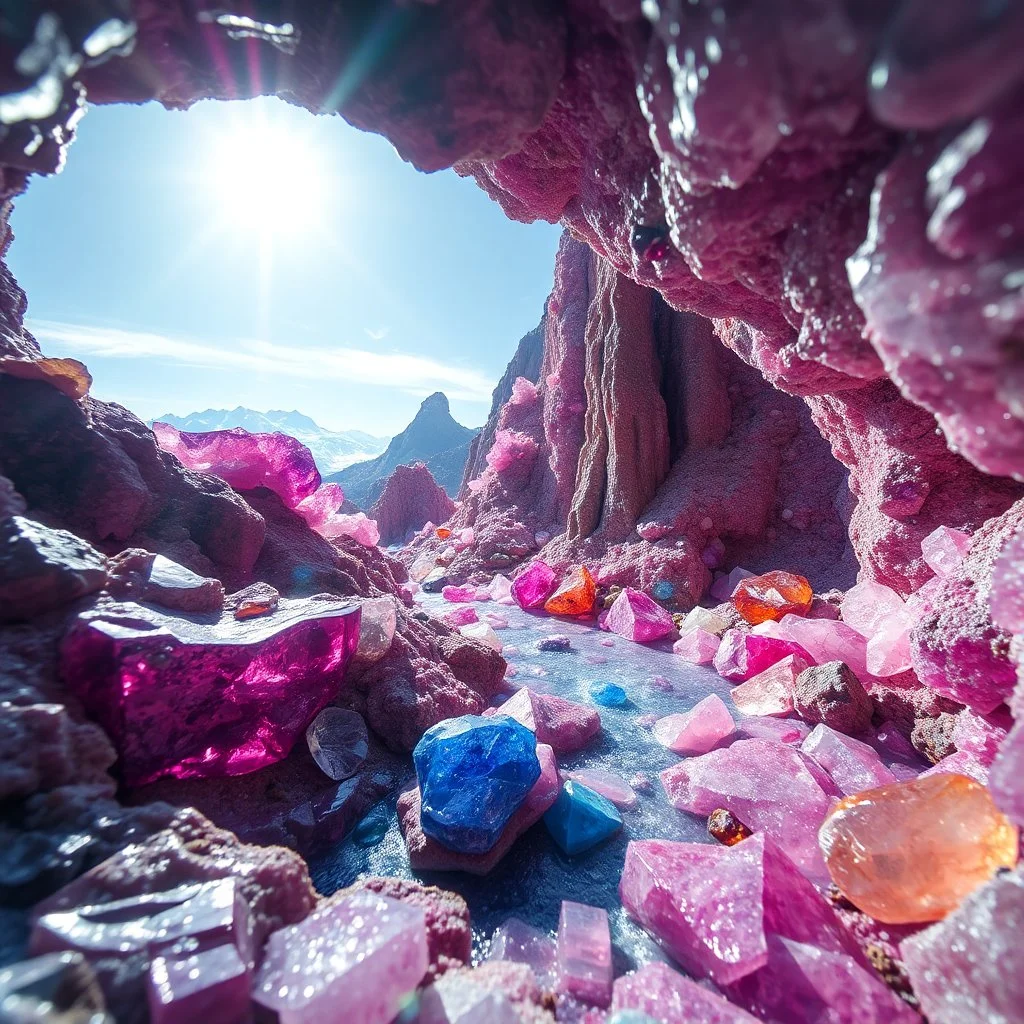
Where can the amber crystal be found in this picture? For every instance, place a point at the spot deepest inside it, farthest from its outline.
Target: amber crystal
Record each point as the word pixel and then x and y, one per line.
pixel 575 595
pixel 911 851
pixel 759 598
pixel 443 532
pixel 724 826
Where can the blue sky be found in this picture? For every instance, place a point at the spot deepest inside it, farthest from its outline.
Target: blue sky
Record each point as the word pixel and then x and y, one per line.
pixel 167 258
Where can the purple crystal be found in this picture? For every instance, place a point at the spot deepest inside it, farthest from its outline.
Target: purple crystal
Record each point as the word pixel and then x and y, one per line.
pixel 209 985
pixel 666 995
pixel 584 954
pixel 517 941
pixel 768 786
pixel 193 698
pixel 743 654
pixel 944 549
pixel 365 953
pixel 697 646
pixel 245 460
pixel 338 741
pixel 852 765
pixel 636 617
pixel 534 585
pixel 698 730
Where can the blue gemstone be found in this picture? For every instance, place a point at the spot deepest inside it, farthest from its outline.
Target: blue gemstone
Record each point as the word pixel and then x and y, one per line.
pixel 473 772
pixel 609 695
pixel 371 829
pixel 663 590
pixel 581 818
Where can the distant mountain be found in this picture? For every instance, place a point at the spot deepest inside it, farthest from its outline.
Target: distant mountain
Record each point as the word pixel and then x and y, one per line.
pixel 433 437
pixel 332 450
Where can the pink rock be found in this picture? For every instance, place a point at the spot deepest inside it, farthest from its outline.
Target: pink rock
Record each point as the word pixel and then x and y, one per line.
pixel 366 952
pixel 584 954
pixel 853 766
pixel 968 968
pixel 880 615
pixel 782 730
pixel 495 621
pixel 888 650
pixel 411 499
pixel 459 594
pixel 713 907
pixel 826 640
pixel 768 786
pixel 945 549
pixel 606 642
pixel 697 646
pixel 512 449
pixel 465 538
pixel 1006 598
pixel 534 585
pixel 563 725
pixel 668 996
pixel 770 692
pixel 722 588
pixel 464 615
pixel 212 984
pixel 426 854
pixel 482 632
pixel 185 698
pixel 611 786
pixel 743 654
pixel 519 942
pixel 245 460
pixel 981 735
pixel 698 730
pixel 963 762
pixel 636 617
pixel 1006 774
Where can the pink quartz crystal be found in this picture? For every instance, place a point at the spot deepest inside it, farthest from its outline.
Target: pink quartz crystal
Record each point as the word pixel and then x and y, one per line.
pixel 768 786
pixel 638 618
pixel 534 585
pixel 783 730
pixel 322 511
pixel 245 460
pixel 852 765
pixel 464 615
pixel 880 615
pixel 611 786
pixel 378 621
pixel 770 692
pixel 743 653
pixel 698 730
pixel 867 605
pixel 712 907
pixel 519 942
pixel 666 995
pixel 564 725
pixel 584 954
pixel 1007 773
pixel 188 698
pixel 697 646
pixel 210 985
pixel 459 595
pixel 501 589
pixel 825 640
pixel 963 762
pixel 981 735
pixel 944 549
pixel 722 588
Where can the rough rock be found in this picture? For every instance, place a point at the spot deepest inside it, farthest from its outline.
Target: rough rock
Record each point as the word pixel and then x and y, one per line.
pixel 410 498
pixel 832 694
pixel 138 575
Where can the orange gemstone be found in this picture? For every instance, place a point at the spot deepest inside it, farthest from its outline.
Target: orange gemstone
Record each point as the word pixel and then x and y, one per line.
pixel 911 851
pixel 575 596
pixel 759 598
pixel 443 532
pixel 724 826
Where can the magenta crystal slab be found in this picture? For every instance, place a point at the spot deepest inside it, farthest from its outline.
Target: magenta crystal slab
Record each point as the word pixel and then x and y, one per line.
pixel 637 617
pixel 212 985
pixel 245 460
pixel 944 549
pixel 697 646
pixel 517 941
pixel 365 953
pixel 743 653
pixel 534 585
pixel 852 765
pixel 191 697
pixel 667 996
pixel 698 730
pixel 584 954
pixel 767 785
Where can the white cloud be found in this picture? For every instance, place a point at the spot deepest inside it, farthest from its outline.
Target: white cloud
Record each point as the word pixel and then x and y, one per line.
pixel 398 370
pixel 376 334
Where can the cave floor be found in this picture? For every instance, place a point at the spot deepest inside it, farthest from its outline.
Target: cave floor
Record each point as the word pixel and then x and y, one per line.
pixel 535 876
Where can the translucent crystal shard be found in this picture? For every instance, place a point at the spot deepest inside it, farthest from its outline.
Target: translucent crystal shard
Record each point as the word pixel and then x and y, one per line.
pixel 636 617
pixel 698 730
pixel 666 995
pixel 338 741
pixel 772 596
pixel 581 818
pixel 212 984
pixel 584 954
pixel 575 595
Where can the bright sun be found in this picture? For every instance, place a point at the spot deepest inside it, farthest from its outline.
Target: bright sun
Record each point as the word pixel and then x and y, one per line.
pixel 267 175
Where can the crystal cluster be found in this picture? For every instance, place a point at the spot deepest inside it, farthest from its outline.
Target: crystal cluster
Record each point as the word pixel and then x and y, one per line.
pixel 882 617
pixel 189 698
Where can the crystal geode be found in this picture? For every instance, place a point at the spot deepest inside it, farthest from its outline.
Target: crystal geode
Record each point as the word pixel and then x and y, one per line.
pixel 210 695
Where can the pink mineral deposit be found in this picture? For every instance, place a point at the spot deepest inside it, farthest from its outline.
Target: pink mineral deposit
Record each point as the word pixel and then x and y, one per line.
pixel 584 954
pixel 185 698
pixel 944 549
pixel 245 460
pixel 519 942
pixel 768 786
pixel 880 615
pixel 562 724
pixel 825 640
pixel 464 615
pixel 743 654
pixel 460 594
pixel 322 511
pixel 366 953
pixel 697 646
pixel 853 766
pixel 611 786
pixel 770 692
pixel 722 588
pixel 666 995
pixel 637 617
pixel 534 585
pixel 698 730
pixel 212 984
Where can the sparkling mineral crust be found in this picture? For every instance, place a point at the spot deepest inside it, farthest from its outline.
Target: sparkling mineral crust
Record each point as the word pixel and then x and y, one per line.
pixel 211 695
pixel 474 773
pixel 912 851
pixel 771 596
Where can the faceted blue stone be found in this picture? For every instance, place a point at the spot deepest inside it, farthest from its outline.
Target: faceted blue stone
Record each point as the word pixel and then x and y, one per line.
pixel 609 695
pixel 663 590
pixel 473 772
pixel 371 829
pixel 581 818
